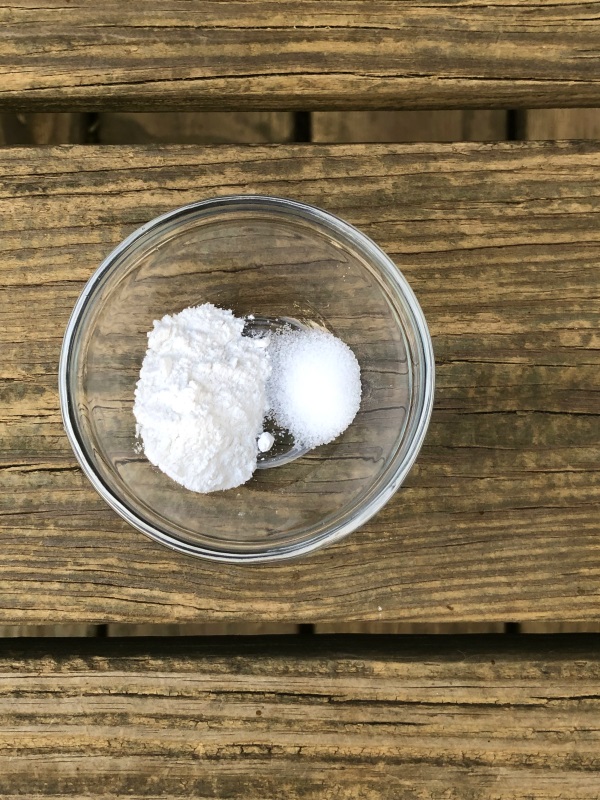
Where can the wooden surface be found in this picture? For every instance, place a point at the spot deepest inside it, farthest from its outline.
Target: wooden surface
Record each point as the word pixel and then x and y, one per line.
pixel 241 127
pixel 122 128
pixel 324 126
pixel 470 718
pixel 336 54
pixel 499 518
pixel 552 124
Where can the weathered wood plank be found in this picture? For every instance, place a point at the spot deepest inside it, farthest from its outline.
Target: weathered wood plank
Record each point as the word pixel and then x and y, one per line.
pixel 43 129
pixel 175 55
pixel 302 717
pixel 499 518
pixel 131 128
pixel 408 126
pixel 554 124
pixel 190 127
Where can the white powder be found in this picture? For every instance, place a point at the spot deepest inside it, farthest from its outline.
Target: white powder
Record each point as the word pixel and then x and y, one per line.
pixel 200 400
pixel 204 390
pixel 314 390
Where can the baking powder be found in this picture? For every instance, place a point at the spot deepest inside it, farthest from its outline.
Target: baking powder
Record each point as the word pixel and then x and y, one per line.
pixel 201 398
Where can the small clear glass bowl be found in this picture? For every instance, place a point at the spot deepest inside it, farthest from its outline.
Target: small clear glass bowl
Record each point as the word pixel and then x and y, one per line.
pixel 272 258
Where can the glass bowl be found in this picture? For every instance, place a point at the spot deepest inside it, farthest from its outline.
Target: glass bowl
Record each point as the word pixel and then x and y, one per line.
pixel 272 258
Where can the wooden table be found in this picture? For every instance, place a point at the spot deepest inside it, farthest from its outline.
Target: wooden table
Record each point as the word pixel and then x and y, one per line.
pixel 499 519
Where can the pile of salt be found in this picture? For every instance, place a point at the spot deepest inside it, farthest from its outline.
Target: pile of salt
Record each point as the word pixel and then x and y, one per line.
pixel 314 389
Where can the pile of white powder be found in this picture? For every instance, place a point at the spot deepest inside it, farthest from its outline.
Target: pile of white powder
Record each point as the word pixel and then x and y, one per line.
pixel 201 398
pixel 205 389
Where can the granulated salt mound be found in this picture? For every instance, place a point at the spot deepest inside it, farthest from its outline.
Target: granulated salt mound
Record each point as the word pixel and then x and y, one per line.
pixel 314 390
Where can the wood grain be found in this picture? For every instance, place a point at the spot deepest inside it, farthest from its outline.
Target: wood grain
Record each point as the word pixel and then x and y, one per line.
pixel 332 54
pixel 408 126
pixel 474 717
pixel 555 124
pixel 43 129
pixel 188 127
pixel 255 127
pixel 498 519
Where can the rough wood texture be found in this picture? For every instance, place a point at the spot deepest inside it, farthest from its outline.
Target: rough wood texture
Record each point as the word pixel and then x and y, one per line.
pixel 408 126
pixel 289 54
pixel 499 518
pixel 553 124
pixel 194 127
pixel 471 718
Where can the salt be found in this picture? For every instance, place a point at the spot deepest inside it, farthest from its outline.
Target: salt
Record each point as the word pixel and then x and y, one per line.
pixel 314 390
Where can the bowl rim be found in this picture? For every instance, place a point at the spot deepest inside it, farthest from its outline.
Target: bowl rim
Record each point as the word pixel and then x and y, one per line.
pixel 363 514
